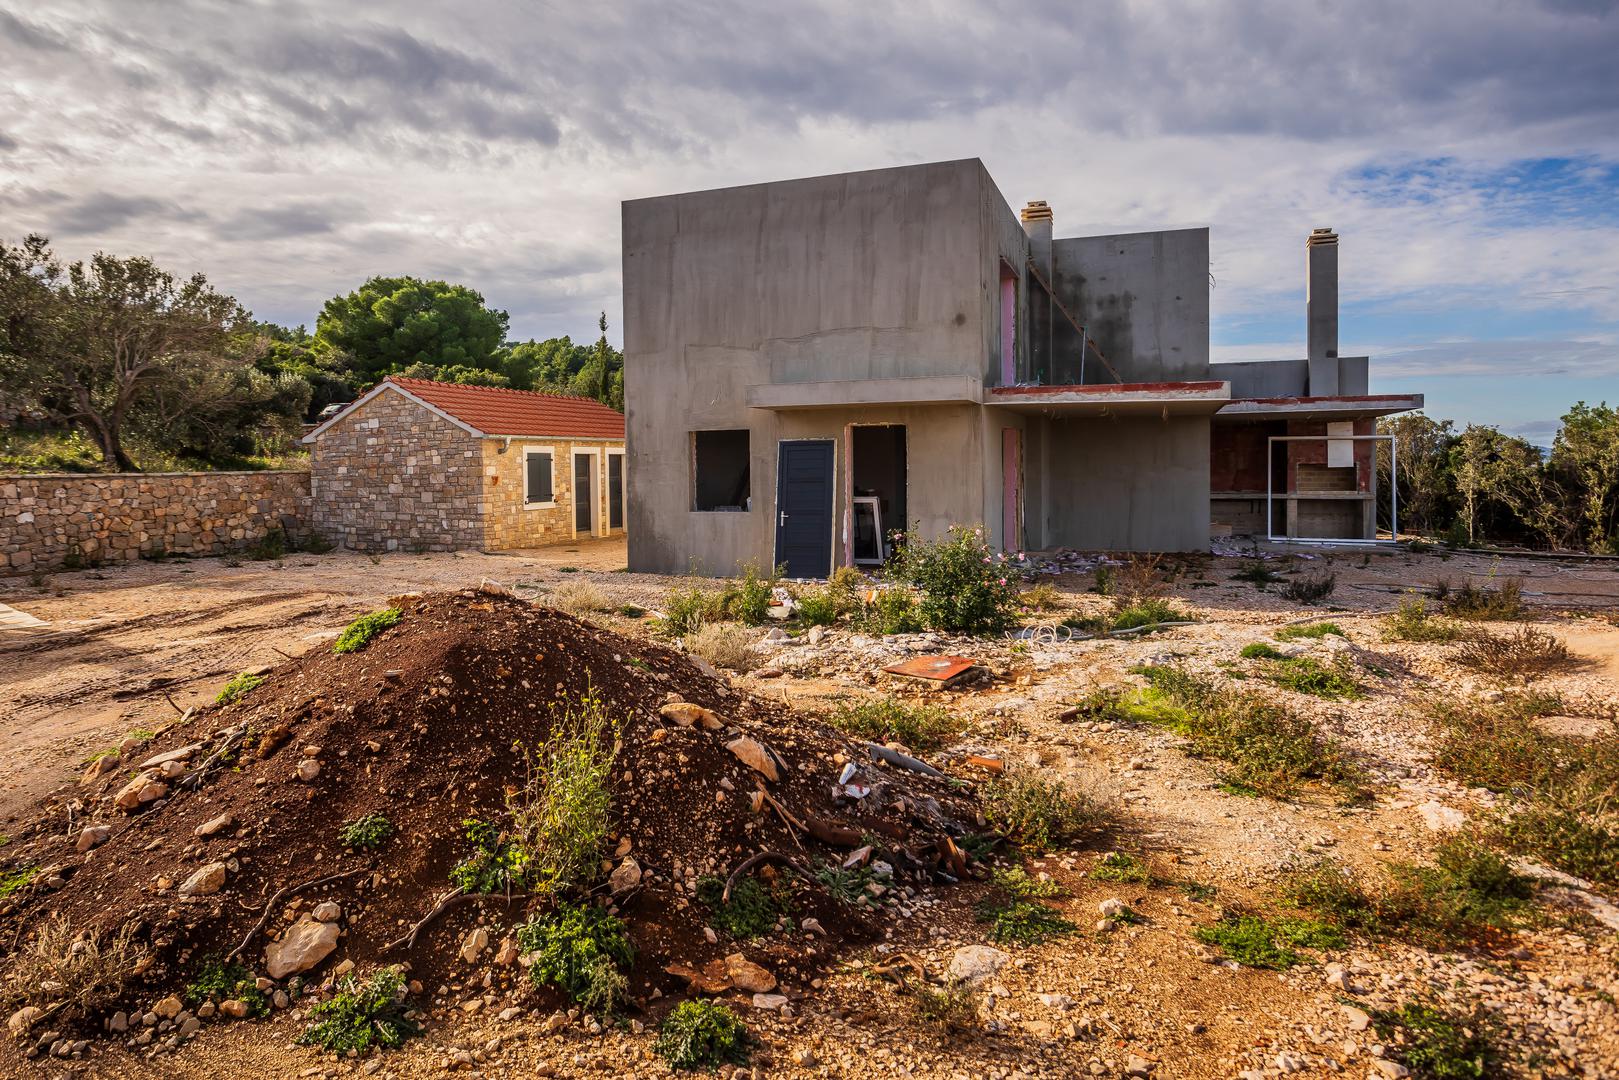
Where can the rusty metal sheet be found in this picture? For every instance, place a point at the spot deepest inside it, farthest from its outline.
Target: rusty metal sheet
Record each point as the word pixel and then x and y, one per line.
pixel 943 670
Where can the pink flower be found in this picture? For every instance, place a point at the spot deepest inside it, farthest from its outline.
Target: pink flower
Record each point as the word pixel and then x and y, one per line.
pixel 1003 581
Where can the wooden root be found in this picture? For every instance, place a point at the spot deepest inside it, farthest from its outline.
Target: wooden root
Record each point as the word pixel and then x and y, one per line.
pixel 758 860
pixel 282 894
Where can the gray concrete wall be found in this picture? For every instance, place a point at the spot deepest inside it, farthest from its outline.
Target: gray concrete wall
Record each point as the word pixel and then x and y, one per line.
pixel 1144 299
pixel 1264 378
pixel 1127 485
pixel 872 275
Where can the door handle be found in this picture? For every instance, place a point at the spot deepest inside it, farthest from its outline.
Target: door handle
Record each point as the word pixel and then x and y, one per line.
pixel 783 519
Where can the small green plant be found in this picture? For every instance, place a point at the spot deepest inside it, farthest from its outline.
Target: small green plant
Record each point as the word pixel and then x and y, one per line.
pixel 1310 631
pixel 1412 621
pixel 817 607
pixel 1255 941
pixel 362 1015
pixel 238 686
pixel 1102 580
pixel 18 878
pixel 1020 883
pixel 966 587
pixel 920 727
pixel 1260 650
pixel 1023 922
pixel 752 910
pixel 272 545
pixel 1037 813
pixel 1436 1043
pixel 689 609
pixel 1306 675
pixel 583 951
pixel 216 981
pixel 1122 868
pixel 358 634
pixel 1257 574
pixel 1310 589
pixel 366 833
pixel 701 1033
pixel 497 863
pixel 847 884
pixel 891 611
pixel 1483 603
pixel 1147 611
pixel 949 1008
pixel 1041 597
pixel 748 599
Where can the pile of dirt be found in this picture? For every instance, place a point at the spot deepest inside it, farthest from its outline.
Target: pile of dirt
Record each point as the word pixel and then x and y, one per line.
pixel 420 726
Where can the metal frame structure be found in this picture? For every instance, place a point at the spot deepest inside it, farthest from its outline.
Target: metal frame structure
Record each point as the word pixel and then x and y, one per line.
pixel 1394 488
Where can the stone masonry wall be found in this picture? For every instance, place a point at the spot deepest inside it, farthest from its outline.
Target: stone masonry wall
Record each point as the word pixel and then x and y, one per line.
pixel 394 476
pixel 512 524
pixel 47 519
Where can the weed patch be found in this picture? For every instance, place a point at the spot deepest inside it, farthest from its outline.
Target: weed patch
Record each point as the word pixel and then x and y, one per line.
pixel 561 815
pixel 952 1008
pixel 1412 621
pixel 1038 814
pixel 751 912
pixel 701 1033
pixel 1257 574
pixel 1308 631
pixel 1436 1043
pixel 581 950
pixel 82 973
pixel 217 981
pixel 725 645
pixel 1255 941
pixel 1310 589
pixel 1116 866
pixel 1020 883
pixel 1023 922
pixel 920 727
pixel 238 686
pixel 1306 675
pixel 1147 611
pixel 358 634
pixel 1525 653
pixel 362 1015
pixel 891 611
pixel 1260 650
pixel 579 597
pixel 1487 602
pixel 966 587
pixel 366 833
pixel 689 609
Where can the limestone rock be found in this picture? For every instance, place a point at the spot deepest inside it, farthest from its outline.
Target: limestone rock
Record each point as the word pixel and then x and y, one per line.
pixel 308 769
pixel 183 753
pixel 92 836
pixel 753 754
pixel 626 877
pixel 972 964
pixel 327 911
pixel 686 714
pixel 23 1019
pixel 145 788
pixel 206 881
pixel 98 768
pixel 746 975
pixel 1441 818
pixel 305 944
pixel 473 945
pixel 168 1008
pixel 234 1008
pixel 214 825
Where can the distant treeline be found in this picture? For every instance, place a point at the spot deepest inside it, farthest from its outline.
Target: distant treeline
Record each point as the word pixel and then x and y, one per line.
pixel 143 364
pixel 1481 486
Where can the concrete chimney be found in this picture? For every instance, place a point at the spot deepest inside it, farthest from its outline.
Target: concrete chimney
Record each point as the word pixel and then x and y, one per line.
pixel 1321 311
pixel 1037 223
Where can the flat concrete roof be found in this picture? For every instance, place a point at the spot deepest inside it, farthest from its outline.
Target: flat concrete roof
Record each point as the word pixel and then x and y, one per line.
pixel 1119 399
pixel 1347 407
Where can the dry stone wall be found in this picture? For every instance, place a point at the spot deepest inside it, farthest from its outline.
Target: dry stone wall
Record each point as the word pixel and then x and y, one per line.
pixel 48 520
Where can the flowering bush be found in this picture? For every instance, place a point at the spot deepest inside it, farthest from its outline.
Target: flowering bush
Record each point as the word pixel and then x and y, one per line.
pixel 966 588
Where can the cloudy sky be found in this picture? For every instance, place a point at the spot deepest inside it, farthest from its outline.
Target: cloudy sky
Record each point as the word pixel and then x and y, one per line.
pixel 1466 151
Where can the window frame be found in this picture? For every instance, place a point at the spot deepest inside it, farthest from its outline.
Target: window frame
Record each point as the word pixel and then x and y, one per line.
pixel 533 450
pixel 692 478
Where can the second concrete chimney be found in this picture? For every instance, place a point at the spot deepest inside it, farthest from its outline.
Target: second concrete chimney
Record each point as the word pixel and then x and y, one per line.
pixel 1037 223
pixel 1321 311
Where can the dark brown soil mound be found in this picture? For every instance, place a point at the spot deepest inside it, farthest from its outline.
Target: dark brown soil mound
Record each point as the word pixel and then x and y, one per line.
pixel 419 726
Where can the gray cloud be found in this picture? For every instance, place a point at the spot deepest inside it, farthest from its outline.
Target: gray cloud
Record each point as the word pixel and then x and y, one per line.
pixel 105 211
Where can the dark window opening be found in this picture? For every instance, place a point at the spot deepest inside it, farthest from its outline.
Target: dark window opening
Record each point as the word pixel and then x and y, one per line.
pixel 720 468
pixel 877 461
pixel 537 477
pixel 584 494
pixel 615 491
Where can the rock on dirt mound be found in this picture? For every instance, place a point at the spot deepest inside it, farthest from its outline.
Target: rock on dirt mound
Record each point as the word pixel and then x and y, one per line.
pixel 213 834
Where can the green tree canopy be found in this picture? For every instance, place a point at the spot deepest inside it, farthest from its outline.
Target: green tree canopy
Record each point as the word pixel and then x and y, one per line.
pixel 390 323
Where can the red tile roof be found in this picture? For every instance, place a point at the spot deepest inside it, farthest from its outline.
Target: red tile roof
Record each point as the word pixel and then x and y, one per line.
pixel 495 410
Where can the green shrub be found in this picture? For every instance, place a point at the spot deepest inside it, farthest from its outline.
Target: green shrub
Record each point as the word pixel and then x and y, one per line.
pixel 950 1008
pixel 701 1033
pixel 1267 747
pixel 1037 813
pixel 216 981
pixel 272 545
pixel 747 599
pixel 891 611
pixel 1255 941
pixel 966 587
pixel 1023 922
pixel 688 609
pixel 1576 842
pixel 1412 621
pixel 1259 650
pixel 1312 631
pixel 847 884
pixel 817 607
pixel 1306 675
pixel 497 863
pixel 751 912
pixel 239 685
pixel 582 950
pixel 1436 1043
pixel 1257 573
pixel 1041 597
pixel 1147 611
pixel 359 633
pixel 16 878
pixel 366 833
pixel 920 727
pixel 362 1015
pixel 1020 883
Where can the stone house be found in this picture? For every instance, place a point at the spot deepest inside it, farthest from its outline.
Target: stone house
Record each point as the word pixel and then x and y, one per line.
pixel 417 465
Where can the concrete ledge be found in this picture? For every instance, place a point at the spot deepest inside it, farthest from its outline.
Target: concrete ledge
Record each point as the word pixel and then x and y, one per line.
pixel 935 390
pixel 1336 408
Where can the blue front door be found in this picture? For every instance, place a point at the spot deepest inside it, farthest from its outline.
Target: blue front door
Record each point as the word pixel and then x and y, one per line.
pixel 804 508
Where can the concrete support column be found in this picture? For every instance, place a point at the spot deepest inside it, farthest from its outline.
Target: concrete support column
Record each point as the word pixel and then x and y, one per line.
pixel 1321 311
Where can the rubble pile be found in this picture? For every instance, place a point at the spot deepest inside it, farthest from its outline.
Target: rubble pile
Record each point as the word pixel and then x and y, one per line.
pixel 224 838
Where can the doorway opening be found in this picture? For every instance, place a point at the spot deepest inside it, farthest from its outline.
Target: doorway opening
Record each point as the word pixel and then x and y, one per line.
pixel 877 492
pixel 585 497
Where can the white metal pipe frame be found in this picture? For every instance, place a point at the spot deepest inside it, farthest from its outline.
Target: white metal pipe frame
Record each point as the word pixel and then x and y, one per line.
pixel 1394 487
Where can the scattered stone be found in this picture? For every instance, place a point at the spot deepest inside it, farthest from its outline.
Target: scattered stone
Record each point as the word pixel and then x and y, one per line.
pixel 327 911
pixel 206 881
pixel 305 944
pixel 769 1002
pixel 234 1008
pixel 686 714
pixel 1136 1065
pixel 92 836
pixel 23 1019
pixel 626 877
pixel 746 975
pixel 1111 908
pixel 168 1008
pixel 1441 818
pixel 752 753
pixel 972 964
pixel 507 956
pixel 473 945
pixel 145 788
pixel 308 769
pixel 215 825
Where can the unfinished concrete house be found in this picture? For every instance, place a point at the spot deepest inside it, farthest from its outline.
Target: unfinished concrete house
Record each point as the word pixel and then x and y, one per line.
pixel 811 364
